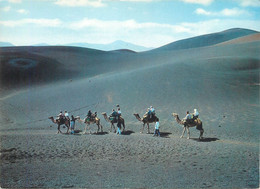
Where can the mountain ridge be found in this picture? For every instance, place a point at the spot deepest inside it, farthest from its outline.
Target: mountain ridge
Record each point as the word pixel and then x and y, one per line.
pixel 207 39
pixel 116 45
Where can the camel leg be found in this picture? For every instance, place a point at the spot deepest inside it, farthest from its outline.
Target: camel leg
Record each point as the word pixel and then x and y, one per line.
pixel 101 127
pixel 111 128
pixel 148 128
pixel 98 127
pixel 201 134
pixel 188 132
pixel 59 131
pixel 183 132
pixel 85 130
pixel 68 127
pixel 123 126
pixel 89 128
pixel 114 128
pixel 142 130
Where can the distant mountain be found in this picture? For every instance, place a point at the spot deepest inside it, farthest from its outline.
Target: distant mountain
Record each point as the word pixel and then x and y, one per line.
pixel 116 45
pixel 6 44
pixel 208 39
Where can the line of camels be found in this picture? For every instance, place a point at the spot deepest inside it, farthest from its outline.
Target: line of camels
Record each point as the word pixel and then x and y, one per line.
pixel 145 120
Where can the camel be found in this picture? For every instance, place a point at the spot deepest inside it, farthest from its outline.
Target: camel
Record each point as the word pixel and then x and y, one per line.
pixel 146 121
pixel 197 122
pixel 121 121
pixel 61 122
pixel 96 121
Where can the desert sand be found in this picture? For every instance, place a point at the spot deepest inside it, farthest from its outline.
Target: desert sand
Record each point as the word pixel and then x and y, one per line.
pixel 220 79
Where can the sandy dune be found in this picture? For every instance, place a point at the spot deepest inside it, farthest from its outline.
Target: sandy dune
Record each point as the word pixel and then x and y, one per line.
pixel 221 81
pixel 244 39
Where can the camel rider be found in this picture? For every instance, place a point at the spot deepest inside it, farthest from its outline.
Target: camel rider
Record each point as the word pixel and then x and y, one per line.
pixel 151 112
pixel 94 116
pixel 187 118
pixel 195 114
pixel 89 115
pixel 118 113
pixel 146 113
pixel 66 114
pixel 61 116
pixel 113 115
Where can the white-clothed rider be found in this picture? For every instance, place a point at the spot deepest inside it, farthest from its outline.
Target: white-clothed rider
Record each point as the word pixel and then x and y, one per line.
pixel 66 114
pixel 152 110
pixel 195 113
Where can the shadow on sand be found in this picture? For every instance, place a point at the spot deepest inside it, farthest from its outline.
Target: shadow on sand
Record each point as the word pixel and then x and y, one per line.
pixel 79 133
pixel 99 133
pixel 127 132
pixel 205 139
pixel 165 134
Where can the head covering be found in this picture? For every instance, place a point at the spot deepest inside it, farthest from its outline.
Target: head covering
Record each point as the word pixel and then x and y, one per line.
pixel 196 113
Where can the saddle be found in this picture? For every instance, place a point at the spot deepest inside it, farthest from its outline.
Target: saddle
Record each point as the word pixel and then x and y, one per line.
pixel 113 118
pixel 194 120
pixel 150 118
pixel 89 119
pixel 61 120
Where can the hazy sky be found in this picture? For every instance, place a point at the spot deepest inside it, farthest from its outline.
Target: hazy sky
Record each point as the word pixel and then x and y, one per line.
pixel 150 23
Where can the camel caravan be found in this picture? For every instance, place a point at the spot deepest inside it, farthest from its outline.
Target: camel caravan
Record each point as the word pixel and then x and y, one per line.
pixel 116 119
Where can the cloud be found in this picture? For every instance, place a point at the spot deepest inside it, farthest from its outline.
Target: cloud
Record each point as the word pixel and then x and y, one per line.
pixel 5 9
pixel 233 12
pixel 215 25
pixel 202 2
pixel 203 12
pixel 22 11
pixel 31 21
pixel 139 0
pixel 224 12
pixel 14 1
pixel 126 25
pixel 144 33
pixel 76 3
pixel 249 3
pixel 151 33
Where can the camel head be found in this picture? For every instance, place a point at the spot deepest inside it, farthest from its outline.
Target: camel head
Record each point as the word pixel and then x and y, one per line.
pixel 50 117
pixel 104 113
pixel 77 117
pixel 138 117
pixel 175 115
